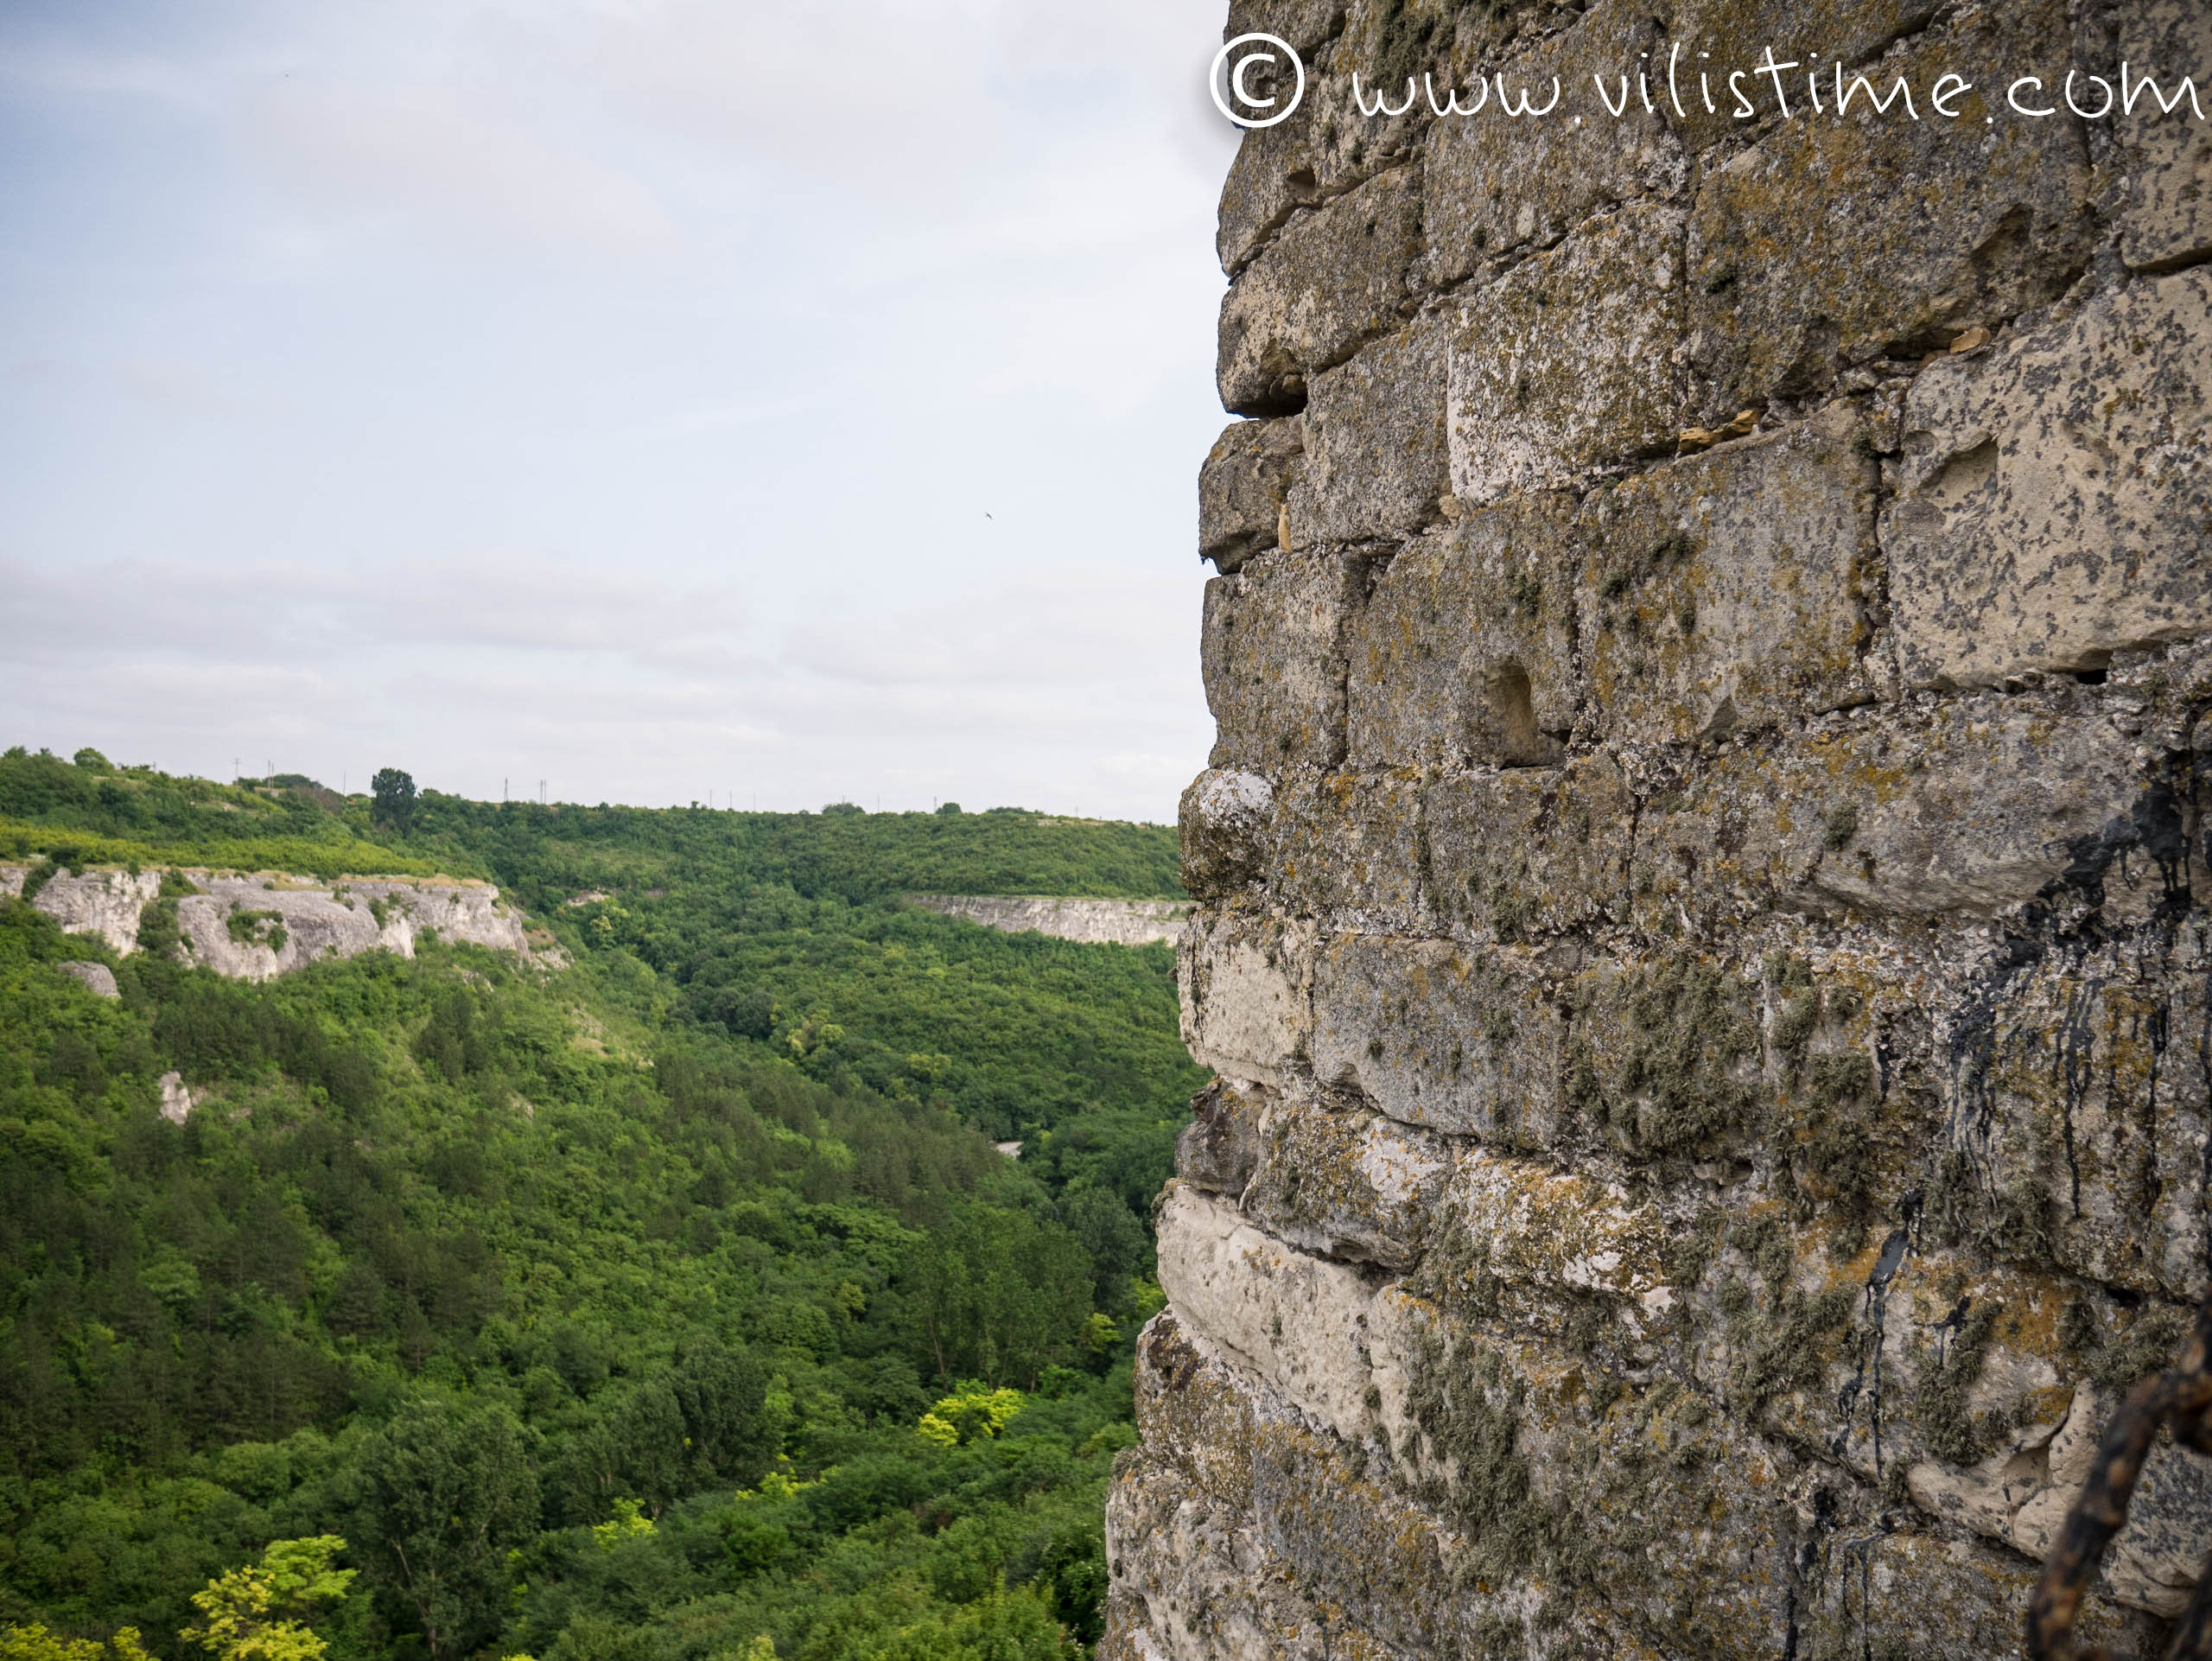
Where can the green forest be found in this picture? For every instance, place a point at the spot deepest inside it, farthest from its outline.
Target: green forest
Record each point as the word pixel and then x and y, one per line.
pixel 671 1303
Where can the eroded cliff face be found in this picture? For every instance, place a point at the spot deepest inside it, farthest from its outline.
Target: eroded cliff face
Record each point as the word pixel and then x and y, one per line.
pixel 1094 922
pixel 254 927
pixel 1702 881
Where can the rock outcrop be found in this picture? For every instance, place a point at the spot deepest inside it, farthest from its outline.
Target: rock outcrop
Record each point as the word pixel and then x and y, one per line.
pixel 1094 922
pixel 1702 880
pixel 103 903
pixel 96 978
pixel 254 927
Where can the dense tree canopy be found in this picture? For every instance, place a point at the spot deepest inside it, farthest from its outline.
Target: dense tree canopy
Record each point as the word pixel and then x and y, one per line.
pixel 599 1312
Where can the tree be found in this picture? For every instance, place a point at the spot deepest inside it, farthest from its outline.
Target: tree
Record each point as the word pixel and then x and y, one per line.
pixel 36 1643
pixel 392 799
pixel 252 1614
pixel 446 1493
pixel 996 1295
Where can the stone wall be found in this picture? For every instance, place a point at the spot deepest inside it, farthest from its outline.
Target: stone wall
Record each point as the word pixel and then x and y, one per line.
pixel 1094 922
pixel 1702 879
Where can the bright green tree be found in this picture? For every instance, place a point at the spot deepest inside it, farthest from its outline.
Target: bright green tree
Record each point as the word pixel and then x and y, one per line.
pixel 36 1643
pixel 252 1613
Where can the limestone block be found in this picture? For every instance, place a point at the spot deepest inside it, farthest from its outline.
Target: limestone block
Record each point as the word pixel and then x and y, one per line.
pixel 1462 1041
pixel 1464 653
pixel 2153 1562
pixel 1302 1324
pixel 1219 1149
pixel 1333 277
pixel 1853 32
pixel 1191 1581
pixel 1376 462
pixel 1294 1550
pixel 2168 218
pixel 1330 144
pixel 11 881
pixel 1531 851
pixel 1973 807
pixel 1194 1409
pixel 1241 488
pixel 1664 1054
pixel 96 978
pixel 2074 1120
pixel 1272 650
pixel 103 903
pixel 1322 150
pixel 2054 502
pixel 1227 821
pixel 1727 591
pixel 1348 848
pixel 1246 992
pixel 1347 1184
pixel 1547 1235
pixel 1569 362
pixel 1833 242
pixel 1495 181
pixel 1560 1471
pixel 1921 1593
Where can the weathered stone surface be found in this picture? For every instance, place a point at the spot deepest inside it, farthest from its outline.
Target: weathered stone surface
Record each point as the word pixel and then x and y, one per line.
pixel 1712 1013
pixel 1347 1183
pixel 1720 36
pixel 1377 462
pixel 1465 652
pixel 1299 1322
pixel 103 903
pixel 1272 649
pixel 1515 1460
pixel 2054 504
pixel 1095 922
pixel 1729 590
pixel 1569 363
pixel 1226 821
pixel 1973 808
pixel 2168 218
pixel 1241 488
pixel 1833 242
pixel 1529 853
pixel 1492 187
pixel 1219 1149
pixel 97 978
pixel 285 924
pixel 1462 1040
pixel 177 1101
pixel 1334 276
pixel 1245 982
pixel 2076 1135
pixel 1348 846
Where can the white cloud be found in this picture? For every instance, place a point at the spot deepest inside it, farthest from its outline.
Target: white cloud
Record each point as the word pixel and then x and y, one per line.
pixel 613 390
pixel 424 153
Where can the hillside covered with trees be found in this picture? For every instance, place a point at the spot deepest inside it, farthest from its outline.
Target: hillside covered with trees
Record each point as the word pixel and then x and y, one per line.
pixel 673 1303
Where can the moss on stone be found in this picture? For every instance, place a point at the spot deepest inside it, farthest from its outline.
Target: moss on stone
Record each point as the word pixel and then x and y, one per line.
pixel 1953 1431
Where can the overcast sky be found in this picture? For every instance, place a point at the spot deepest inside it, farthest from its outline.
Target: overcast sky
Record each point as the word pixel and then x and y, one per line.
pixel 790 400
